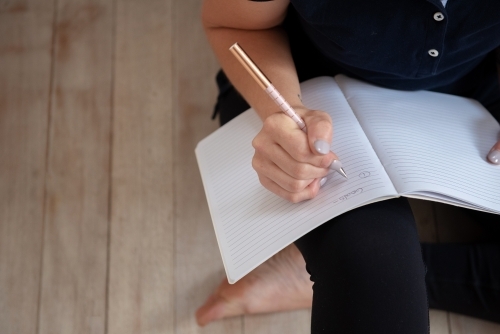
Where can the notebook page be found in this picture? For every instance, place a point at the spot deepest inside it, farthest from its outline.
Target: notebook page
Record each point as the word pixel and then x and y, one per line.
pixel 251 223
pixel 431 144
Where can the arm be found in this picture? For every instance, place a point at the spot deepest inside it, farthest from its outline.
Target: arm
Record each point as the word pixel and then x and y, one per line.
pixel 256 26
pixel 285 158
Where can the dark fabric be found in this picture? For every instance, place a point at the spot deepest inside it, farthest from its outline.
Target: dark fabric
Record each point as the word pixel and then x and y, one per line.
pixel 464 278
pixel 368 272
pixel 387 42
pixel 230 103
pixel 481 83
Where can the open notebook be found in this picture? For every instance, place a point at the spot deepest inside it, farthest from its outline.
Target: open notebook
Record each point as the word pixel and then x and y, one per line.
pixel 392 143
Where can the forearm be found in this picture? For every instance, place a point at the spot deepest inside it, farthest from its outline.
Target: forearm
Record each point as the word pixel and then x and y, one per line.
pixel 270 50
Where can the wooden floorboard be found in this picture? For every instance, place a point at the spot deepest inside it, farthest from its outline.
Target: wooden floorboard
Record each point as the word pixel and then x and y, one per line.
pixel 104 226
pixel 141 288
pixel 461 324
pixel 198 263
pixel 73 298
pixel 297 322
pixel 25 63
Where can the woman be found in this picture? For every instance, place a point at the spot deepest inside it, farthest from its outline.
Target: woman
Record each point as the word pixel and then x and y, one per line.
pixel 367 265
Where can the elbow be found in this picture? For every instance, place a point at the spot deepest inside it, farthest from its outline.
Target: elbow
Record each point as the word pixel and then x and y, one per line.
pixel 206 17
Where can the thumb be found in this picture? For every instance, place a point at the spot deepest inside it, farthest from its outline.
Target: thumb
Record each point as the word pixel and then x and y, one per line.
pixel 319 131
pixel 494 155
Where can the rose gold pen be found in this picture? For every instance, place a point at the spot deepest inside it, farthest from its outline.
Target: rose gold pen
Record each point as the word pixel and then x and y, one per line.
pixel 273 93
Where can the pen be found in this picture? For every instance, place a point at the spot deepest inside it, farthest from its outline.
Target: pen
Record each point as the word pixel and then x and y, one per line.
pixel 273 93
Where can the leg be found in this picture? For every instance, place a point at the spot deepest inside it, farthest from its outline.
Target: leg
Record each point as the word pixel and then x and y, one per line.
pixel 368 272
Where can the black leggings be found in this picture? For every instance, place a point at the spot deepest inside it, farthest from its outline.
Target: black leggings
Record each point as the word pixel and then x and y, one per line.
pixel 370 273
pixel 369 276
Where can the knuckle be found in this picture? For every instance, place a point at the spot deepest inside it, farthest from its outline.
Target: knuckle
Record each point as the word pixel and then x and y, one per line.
pixel 313 192
pixel 257 143
pixel 325 122
pixel 294 198
pixel 257 163
pixel 322 127
pixel 301 154
pixel 300 171
pixel 263 181
pixel 296 186
pixel 271 124
pixel 325 161
pixel 254 163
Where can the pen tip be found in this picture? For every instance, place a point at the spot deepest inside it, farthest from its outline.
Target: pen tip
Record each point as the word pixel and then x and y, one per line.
pixel 342 172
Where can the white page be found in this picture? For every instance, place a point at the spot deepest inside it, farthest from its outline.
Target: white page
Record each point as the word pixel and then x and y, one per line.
pixel 431 144
pixel 251 223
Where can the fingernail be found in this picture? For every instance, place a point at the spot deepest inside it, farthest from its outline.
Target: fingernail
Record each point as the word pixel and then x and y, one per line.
pixel 322 181
pixel 322 146
pixel 494 157
pixel 337 166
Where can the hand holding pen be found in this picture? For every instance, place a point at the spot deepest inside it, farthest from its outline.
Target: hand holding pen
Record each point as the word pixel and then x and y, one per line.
pixel 288 163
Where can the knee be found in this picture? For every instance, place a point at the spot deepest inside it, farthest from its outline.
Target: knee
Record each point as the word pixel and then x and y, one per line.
pixel 380 242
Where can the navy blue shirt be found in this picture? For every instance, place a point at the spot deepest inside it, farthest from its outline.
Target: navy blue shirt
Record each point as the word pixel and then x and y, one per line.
pixel 401 44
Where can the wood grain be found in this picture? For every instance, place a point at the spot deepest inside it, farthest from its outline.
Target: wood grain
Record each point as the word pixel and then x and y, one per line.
pixel 439 322
pixel 25 51
pixel 141 288
pixel 198 264
pixel 73 298
pixel 296 322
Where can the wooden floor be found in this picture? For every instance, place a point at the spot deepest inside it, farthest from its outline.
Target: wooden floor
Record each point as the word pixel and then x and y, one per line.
pixel 104 226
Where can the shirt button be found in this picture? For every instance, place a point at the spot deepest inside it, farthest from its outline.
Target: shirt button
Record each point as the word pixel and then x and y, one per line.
pixel 433 53
pixel 438 16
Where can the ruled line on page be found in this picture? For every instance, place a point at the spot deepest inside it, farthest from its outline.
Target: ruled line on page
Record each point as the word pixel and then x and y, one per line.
pixel 251 222
pixel 430 141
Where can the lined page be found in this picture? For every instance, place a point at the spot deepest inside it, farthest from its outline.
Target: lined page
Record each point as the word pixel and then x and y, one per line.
pixel 251 223
pixel 431 144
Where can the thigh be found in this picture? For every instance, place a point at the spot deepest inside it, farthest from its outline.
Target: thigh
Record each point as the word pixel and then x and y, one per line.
pixel 368 272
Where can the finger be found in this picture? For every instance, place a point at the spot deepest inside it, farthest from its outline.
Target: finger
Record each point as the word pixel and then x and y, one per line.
pixel 297 170
pixel 296 145
pixel 285 181
pixel 319 131
pixel 309 192
pixel 494 155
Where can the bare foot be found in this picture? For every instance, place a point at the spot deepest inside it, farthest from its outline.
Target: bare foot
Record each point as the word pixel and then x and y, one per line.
pixel 280 284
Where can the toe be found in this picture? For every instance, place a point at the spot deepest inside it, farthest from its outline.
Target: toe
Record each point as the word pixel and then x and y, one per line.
pixel 212 310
